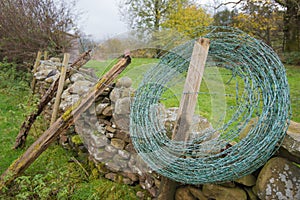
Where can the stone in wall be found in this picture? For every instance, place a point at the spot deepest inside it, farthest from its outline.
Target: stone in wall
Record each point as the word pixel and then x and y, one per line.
pixel 121 97
pixel 279 179
pixel 218 192
pixel 291 142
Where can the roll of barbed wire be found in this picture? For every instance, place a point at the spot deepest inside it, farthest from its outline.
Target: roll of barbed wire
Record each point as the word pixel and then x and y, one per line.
pixel 261 95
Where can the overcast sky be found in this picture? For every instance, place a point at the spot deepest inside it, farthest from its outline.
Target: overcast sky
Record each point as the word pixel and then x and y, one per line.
pixel 101 18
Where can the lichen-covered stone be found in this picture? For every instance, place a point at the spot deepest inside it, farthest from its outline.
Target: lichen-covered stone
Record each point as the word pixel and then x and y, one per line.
pixel 291 141
pixel 112 176
pixel 55 59
pixel 122 121
pixel 184 193
pixel 218 192
pixel 117 143
pixel 248 180
pixel 68 100
pixel 122 106
pixel 124 82
pixel 127 181
pixel 110 129
pixel 113 166
pixel 100 141
pixel 80 87
pixel 76 77
pixel 124 154
pixel 100 108
pixel 130 148
pixel 108 111
pixel 251 194
pixel 103 156
pixel 130 175
pixel 120 161
pixel 197 193
pixel 279 179
pixel 111 149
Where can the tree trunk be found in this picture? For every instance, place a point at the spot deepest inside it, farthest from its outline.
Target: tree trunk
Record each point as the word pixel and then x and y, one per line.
pixel 291 27
pixel 187 108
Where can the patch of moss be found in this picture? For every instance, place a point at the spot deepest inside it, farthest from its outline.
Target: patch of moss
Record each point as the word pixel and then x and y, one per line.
pixel 76 139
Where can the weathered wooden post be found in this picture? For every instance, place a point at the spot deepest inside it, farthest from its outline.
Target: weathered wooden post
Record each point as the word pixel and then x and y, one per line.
pixel 187 107
pixel 36 64
pixel 60 87
pixel 62 124
pixel 46 55
pixel 46 98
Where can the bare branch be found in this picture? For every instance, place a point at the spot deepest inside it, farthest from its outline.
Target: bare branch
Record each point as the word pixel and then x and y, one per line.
pixel 229 2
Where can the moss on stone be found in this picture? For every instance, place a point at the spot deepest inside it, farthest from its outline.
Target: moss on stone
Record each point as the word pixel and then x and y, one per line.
pixel 76 140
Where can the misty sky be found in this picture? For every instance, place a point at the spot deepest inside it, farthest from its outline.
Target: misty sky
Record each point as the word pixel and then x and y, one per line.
pixel 101 18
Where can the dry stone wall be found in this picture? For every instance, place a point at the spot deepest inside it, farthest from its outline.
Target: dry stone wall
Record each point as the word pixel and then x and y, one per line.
pixel 101 134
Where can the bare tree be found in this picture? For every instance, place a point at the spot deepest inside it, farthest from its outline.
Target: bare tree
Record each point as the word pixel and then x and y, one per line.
pixel 32 25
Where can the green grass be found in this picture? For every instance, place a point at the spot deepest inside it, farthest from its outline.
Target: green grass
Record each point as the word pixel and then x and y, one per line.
pixel 211 103
pixel 54 175
pixel 135 70
pixel 293 74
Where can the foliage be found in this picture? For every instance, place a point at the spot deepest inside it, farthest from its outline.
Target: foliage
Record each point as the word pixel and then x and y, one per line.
pixel 293 74
pixel 147 16
pixel 291 24
pixel 266 11
pixel 104 189
pixel 225 17
pixel 291 58
pixel 262 20
pixel 185 20
pixel 18 79
pixel 29 26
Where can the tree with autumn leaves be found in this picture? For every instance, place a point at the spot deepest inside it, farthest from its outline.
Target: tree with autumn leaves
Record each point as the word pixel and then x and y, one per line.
pixel 276 22
pixel 149 16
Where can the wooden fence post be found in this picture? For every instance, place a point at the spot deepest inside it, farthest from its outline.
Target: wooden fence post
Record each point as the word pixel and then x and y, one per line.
pixel 36 64
pixel 61 124
pixel 60 87
pixel 46 98
pixel 187 107
pixel 46 55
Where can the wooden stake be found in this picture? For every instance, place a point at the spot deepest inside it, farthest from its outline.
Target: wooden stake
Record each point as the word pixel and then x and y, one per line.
pixel 187 107
pixel 60 87
pixel 63 123
pixel 191 88
pixel 46 55
pixel 46 98
pixel 36 64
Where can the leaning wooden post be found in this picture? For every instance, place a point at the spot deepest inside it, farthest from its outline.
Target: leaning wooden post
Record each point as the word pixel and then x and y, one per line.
pixel 36 64
pixel 46 98
pixel 187 107
pixel 62 124
pixel 46 55
pixel 60 87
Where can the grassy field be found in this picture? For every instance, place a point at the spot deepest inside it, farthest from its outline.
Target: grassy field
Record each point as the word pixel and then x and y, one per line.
pixel 293 74
pixel 53 176
pixel 215 84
